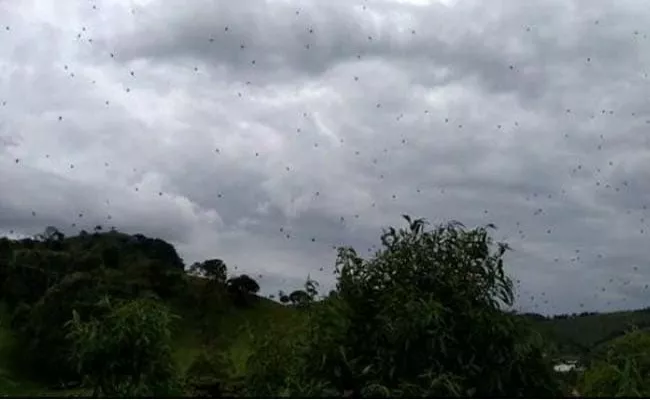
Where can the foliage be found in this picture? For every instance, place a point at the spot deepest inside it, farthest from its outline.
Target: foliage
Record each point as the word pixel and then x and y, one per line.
pixel 244 284
pixel 51 233
pixel 283 297
pixel 208 375
pixel 43 280
pixel 421 319
pixel 213 270
pixel 241 287
pixel 620 369
pixel 274 368
pixel 299 297
pixel 127 353
pixel 213 274
pixel 42 284
pixel 42 333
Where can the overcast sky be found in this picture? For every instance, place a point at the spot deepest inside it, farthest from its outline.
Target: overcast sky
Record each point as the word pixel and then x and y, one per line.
pixel 266 132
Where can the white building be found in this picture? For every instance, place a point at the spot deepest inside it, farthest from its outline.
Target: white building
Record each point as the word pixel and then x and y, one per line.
pixel 565 366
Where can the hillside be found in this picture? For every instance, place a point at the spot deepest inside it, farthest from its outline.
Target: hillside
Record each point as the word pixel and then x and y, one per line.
pixel 32 270
pixel 45 278
pixel 575 335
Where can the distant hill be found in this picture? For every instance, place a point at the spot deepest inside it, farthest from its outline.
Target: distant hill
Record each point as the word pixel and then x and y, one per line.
pixel 579 334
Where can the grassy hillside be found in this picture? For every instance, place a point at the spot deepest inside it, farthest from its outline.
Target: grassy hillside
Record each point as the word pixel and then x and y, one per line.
pixel 232 328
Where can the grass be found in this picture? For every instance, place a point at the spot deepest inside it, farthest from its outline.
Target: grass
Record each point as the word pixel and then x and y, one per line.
pixel 233 327
pixel 234 330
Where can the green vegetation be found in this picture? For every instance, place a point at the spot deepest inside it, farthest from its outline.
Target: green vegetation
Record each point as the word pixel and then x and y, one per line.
pixel 577 334
pixel 620 368
pixel 117 315
pixel 126 352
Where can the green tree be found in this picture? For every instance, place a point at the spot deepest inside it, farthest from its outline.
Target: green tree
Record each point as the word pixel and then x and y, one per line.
pixel 42 336
pixel 298 297
pixel 283 297
pixel 243 283
pixel 423 318
pixel 51 233
pixel 241 288
pixel 128 352
pixel 214 270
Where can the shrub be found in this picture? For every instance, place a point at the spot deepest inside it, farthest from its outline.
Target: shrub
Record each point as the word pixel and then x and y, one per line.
pixel 620 369
pixel 208 375
pixel 127 353
pixel 423 318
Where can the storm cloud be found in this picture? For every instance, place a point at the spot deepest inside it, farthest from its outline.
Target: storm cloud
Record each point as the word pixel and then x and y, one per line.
pixel 267 132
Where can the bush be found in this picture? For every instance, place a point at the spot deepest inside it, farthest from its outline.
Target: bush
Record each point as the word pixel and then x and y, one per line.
pixel 41 327
pixel 209 375
pixel 620 369
pixel 423 318
pixel 127 353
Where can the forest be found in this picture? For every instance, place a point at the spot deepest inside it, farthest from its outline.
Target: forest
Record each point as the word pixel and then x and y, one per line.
pixel 430 314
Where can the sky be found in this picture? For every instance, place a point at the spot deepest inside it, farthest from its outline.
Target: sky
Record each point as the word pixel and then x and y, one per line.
pixel 265 133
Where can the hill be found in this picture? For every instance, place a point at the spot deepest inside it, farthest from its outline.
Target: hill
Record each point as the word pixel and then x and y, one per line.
pixel 44 279
pixel 40 275
pixel 576 335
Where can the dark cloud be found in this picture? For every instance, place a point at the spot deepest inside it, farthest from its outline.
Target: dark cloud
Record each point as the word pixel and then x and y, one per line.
pixel 266 132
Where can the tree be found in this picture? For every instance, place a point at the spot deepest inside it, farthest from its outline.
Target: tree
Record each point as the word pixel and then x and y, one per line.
pixel 52 233
pixel 241 287
pixel 128 352
pixel 214 270
pixel 298 297
pixel 423 318
pixel 284 299
pixel 44 342
pixel 243 284
pixel 41 284
pixel 52 237
pixel 311 289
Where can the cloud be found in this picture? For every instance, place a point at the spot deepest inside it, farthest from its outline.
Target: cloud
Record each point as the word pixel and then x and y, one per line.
pixel 266 132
